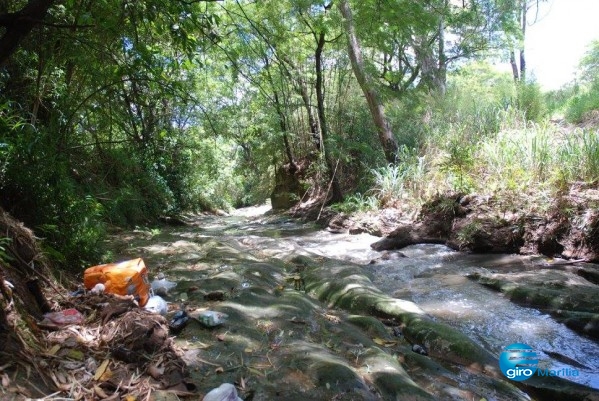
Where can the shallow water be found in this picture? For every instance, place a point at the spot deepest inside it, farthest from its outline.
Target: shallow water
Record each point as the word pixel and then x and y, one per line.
pixel 434 277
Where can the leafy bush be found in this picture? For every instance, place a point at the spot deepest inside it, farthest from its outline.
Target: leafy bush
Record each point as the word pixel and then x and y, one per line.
pixel 581 105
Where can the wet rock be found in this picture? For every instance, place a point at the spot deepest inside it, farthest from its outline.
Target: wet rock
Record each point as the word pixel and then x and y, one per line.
pixel 370 325
pixel 391 380
pixel 419 349
pixel 337 377
pixel 568 297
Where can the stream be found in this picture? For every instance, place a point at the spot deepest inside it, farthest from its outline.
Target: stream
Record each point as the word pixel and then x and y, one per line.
pixel 432 276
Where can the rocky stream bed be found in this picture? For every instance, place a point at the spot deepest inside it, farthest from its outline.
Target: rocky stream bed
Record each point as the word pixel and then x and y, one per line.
pixel 306 320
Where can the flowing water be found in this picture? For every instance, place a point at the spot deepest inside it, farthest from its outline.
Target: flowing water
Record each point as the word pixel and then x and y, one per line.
pixel 434 277
pixel 244 253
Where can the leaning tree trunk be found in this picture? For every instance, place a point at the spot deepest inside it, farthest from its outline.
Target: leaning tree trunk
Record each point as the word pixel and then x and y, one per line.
pixel 386 137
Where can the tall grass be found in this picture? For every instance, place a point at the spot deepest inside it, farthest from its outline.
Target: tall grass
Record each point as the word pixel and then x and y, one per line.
pixel 523 162
pixel 490 137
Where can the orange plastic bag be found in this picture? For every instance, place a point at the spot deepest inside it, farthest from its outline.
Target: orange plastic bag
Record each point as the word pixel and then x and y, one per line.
pixel 125 278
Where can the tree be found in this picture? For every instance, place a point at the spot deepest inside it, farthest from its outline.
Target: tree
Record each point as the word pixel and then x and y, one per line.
pixel 17 25
pixel 519 10
pixel 386 137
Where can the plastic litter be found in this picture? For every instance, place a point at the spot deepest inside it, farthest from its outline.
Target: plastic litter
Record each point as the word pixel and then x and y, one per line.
pixel 125 278
pixel 62 318
pixel 225 392
pixel 178 321
pixel 98 289
pixel 211 318
pixel 156 305
pixel 161 286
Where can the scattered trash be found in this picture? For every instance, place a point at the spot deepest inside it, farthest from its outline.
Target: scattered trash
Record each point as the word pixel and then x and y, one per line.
pixel 419 349
pixel 156 305
pixel 62 318
pixel 212 318
pixel 178 321
pixel 225 392
pixel 98 289
pixel 397 332
pixel 161 285
pixel 125 278
pixel 77 292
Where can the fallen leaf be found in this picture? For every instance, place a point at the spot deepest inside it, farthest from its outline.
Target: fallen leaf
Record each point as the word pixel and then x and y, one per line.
pixel 219 370
pixel 385 343
pixel 100 392
pixel 54 349
pixel 101 369
pixel 75 354
pixel 155 371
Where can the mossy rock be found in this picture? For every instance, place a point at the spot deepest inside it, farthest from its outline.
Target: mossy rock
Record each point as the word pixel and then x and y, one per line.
pixel 371 325
pixel 390 378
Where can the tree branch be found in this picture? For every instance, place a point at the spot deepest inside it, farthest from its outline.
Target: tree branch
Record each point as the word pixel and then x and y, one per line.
pixel 19 25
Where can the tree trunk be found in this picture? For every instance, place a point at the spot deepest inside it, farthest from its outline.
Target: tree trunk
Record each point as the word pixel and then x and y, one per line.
pixel 336 195
pixel 441 76
pixel 515 71
pixel 522 59
pixel 386 137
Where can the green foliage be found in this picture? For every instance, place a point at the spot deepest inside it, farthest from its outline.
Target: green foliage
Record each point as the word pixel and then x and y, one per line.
pixel 530 101
pixel 405 180
pixel 356 203
pixel 457 162
pixel 589 65
pixel 581 105
pixel 579 156
pixel 557 100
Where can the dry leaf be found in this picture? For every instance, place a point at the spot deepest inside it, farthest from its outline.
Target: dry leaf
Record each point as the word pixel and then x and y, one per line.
pixel 155 371
pixel 100 392
pixel 101 369
pixel 54 349
pixel 219 370
pixel 385 343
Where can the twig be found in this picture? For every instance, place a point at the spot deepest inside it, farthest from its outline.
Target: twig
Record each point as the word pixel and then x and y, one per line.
pixel 326 195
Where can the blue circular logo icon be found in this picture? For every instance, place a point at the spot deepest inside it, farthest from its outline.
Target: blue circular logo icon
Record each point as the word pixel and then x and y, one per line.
pixel 518 361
